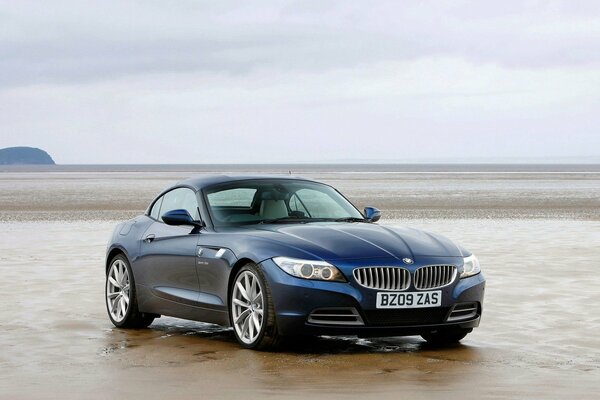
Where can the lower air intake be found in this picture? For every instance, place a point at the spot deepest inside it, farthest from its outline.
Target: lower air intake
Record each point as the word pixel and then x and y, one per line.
pixel 407 317
pixel 463 311
pixel 335 316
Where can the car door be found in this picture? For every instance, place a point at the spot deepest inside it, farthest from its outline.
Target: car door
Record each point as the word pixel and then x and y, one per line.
pixel 214 258
pixel 168 253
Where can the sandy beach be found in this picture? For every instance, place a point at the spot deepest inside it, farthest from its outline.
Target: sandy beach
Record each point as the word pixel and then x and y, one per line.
pixel 536 232
pixel 60 193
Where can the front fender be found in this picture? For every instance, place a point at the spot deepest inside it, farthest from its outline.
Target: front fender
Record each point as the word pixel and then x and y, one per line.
pixel 258 248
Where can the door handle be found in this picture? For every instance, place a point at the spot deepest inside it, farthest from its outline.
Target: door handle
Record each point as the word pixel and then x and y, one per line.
pixel 149 238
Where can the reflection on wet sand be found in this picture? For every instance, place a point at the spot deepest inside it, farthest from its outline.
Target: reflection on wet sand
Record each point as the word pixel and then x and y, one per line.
pixel 537 338
pixel 302 364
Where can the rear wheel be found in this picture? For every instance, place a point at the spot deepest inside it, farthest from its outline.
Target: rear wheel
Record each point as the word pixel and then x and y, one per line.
pixel 251 310
pixel 446 336
pixel 121 301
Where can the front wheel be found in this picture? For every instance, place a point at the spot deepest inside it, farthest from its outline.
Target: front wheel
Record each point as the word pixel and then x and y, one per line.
pixel 121 301
pixel 251 310
pixel 446 336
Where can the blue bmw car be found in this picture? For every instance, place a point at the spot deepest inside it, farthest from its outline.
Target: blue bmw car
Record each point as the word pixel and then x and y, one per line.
pixel 275 257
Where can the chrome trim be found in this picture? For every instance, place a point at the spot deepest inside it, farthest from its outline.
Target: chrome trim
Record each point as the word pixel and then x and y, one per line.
pixel 470 309
pixel 383 278
pixel 337 314
pixel 220 253
pixel 434 276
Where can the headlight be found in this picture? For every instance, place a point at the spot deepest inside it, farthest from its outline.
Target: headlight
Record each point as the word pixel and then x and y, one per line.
pixel 471 266
pixel 309 269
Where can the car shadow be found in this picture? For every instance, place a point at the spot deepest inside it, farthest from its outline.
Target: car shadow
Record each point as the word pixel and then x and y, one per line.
pixel 202 333
pixel 356 345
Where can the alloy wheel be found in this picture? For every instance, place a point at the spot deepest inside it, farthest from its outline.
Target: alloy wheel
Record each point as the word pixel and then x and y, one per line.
pixel 247 307
pixel 117 290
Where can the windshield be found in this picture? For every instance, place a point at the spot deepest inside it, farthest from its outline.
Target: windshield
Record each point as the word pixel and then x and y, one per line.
pixel 277 201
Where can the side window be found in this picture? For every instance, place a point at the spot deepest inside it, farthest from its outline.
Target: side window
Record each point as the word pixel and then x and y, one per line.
pixel 182 198
pixel 190 203
pixel 155 211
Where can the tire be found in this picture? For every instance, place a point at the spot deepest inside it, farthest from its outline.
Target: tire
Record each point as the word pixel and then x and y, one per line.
pixel 122 292
pixel 446 336
pixel 263 311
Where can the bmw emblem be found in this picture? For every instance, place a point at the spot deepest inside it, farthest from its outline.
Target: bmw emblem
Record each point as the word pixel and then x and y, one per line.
pixel 407 261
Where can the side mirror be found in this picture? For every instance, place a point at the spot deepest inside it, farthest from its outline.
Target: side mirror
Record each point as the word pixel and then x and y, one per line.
pixel 372 214
pixel 179 217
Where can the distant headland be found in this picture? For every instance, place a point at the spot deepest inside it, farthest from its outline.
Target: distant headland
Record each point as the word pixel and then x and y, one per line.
pixel 25 156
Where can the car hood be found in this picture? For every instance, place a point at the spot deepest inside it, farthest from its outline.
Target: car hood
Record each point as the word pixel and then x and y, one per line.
pixel 331 241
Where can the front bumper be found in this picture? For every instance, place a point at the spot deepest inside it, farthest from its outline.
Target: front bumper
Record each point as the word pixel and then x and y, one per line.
pixel 295 299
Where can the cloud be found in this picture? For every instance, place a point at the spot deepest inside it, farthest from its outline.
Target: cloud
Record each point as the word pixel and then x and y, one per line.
pixel 424 109
pixel 83 41
pixel 287 81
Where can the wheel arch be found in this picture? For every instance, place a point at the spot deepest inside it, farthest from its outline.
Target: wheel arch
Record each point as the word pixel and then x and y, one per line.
pixel 112 253
pixel 234 270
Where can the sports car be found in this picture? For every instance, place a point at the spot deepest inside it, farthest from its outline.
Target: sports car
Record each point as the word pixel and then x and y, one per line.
pixel 276 257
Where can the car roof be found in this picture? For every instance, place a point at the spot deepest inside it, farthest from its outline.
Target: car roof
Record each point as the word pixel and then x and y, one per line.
pixel 201 182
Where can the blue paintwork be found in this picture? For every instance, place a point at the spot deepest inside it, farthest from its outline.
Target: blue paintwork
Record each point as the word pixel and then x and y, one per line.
pixel 372 214
pixel 295 298
pixel 178 218
pixel 177 271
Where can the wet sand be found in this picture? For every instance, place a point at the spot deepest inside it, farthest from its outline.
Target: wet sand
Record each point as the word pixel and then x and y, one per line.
pixel 538 337
pixel 486 191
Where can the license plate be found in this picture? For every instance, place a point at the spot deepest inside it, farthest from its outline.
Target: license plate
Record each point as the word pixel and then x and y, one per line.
pixel 409 299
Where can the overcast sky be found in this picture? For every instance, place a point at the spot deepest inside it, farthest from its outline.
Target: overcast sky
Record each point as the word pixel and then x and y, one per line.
pixel 300 81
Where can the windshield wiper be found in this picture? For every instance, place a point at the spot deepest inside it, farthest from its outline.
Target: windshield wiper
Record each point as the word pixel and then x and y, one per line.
pixel 282 219
pixel 348 219
pixel 307 220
